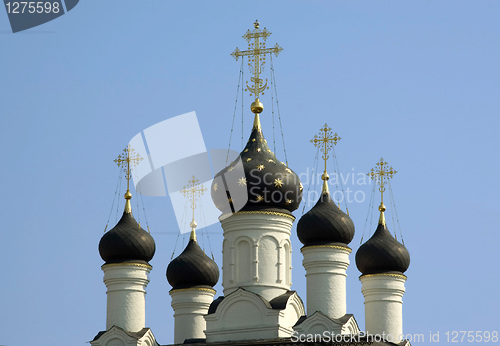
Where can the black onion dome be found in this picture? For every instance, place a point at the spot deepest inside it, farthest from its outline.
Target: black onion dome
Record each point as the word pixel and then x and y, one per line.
pixel 325 223
pixel 382 253
pixel 127 241
pixel 258 174
pixel 192 268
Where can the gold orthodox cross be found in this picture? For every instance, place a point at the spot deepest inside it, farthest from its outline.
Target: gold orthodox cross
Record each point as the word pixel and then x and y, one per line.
pixel 257 52
pixel 325 140
pixel 381 174
pixel 193 191
pixel 128 159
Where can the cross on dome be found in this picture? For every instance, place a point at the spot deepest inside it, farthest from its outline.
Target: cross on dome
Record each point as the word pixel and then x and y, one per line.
pixel 382 173
pixel 193 191
pixel 257 56
pixel 325 140
pixel 128 159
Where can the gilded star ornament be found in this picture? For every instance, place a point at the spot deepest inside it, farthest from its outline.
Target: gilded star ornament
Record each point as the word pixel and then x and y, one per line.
pixel 249 159
pixel 216 186
pixel 260 198
pixel 258 150
pixel 260 167
pixel 288 201
pixel 278 182
pixel 242 181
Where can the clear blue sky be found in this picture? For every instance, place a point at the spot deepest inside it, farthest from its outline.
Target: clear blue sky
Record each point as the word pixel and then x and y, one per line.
pixel 416 82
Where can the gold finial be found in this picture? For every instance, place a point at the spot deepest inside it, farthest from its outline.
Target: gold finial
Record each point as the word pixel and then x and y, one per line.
pixel 381 174
pixel 127 159
pixel 257 57
pixel 257 107
pixel 193 191
pixel 325 140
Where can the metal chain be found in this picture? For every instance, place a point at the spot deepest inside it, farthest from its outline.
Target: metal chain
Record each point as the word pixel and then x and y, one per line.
pixel 370 208
pixel 396 212
pixel 144 211
pixel 314 168
pixel 117 204
pixel 234 113
pixel 114 198
pixel 273 78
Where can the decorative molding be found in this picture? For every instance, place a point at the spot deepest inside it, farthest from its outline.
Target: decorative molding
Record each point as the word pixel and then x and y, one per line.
pixel 244 315
pixel 318 322
pixel 266 212
pixel 210 290
pixel 329 246
pixel 144 337
pixel 127 264
pixel 402 276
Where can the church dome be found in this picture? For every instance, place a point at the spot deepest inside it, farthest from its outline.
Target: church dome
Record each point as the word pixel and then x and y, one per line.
pixel 127 241
pixel 267 182
pixel 192 268
pixel 325 223
pixel 382 253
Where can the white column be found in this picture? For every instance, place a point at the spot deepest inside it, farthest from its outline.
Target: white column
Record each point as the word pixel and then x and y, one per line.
pixel 252 259
pixel 190 305
pixel 126 284
pixel 384 304
pixel 326 267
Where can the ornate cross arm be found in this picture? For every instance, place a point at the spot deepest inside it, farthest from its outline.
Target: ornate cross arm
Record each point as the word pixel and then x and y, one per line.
pixel 257 52
pixel 325 140
pixel 193 191
pixel 128 159
pixel 381 174
pixel 237 53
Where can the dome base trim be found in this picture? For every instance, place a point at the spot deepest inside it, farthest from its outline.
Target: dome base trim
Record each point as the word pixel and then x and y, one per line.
pixel 129 263
pixel 204 289
pixel 393 274
pixel 333 246
pixel 265 212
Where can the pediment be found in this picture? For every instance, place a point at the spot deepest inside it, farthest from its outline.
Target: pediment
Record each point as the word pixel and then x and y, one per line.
pixel 318 323
pixel 116 336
